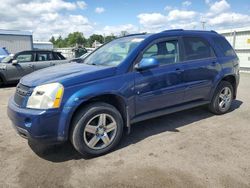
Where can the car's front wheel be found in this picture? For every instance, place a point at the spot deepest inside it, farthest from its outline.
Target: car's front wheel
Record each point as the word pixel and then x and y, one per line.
pixel 1 82
pixel 222 99
pixel 96 129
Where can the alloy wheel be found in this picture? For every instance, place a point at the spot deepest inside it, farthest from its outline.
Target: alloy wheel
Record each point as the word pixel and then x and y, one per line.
pixel 225 99
pixel 100 131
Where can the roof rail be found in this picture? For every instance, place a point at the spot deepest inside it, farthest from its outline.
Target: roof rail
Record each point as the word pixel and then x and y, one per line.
pixel 172 30
pixel 134 34
pixel 214 31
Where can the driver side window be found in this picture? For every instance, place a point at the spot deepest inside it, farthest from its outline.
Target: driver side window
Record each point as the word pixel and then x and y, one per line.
pixel 166 52
pixel 21 58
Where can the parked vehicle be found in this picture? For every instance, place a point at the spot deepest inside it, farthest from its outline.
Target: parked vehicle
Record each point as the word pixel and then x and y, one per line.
pixel 80 59
pixel 3 53
pixel 127 80
pixel 13 67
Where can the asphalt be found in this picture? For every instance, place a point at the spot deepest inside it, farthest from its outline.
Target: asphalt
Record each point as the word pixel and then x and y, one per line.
pixel 192 148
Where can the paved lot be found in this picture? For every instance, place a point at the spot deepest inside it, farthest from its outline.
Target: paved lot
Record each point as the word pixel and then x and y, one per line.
pixel 187 149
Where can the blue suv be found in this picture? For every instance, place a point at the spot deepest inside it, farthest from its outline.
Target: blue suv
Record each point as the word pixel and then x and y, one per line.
pixel 130 79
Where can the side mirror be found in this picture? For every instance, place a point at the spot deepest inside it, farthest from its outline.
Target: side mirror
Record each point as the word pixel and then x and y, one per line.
pixel 147 63
pixel 14 62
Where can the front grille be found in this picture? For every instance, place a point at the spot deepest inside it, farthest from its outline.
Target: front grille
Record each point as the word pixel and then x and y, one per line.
pixel 21 92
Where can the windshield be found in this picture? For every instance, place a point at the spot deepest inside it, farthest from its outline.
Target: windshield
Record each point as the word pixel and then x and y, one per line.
pixel 113 53
pixel 85 55
pixel 7 59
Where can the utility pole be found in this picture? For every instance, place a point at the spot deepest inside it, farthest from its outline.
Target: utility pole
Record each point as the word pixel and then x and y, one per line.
pixel 203 25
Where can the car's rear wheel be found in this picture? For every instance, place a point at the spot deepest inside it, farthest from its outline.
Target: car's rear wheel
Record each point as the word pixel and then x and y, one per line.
pixel 96 129
pixel 222 99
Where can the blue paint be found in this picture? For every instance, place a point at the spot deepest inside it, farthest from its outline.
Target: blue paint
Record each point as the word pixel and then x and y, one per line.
pixel 146 91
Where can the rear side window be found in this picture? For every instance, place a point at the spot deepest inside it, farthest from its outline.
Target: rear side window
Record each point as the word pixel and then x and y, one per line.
pixel 224 46
pixel 44 56
pixel 196 48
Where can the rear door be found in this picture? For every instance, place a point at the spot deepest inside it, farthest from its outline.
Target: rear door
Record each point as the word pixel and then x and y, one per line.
pixel 23 67
pixel 200 67
pixel 43 60
pixel 162 86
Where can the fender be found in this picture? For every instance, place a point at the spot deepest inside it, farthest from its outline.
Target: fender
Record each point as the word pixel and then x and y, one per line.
pixel 224 73
pixel 85 92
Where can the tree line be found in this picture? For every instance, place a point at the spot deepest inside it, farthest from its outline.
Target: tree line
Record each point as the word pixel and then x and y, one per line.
pixel 77 38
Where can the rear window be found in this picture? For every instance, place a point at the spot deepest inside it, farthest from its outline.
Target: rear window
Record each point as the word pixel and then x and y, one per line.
pixel 197 48
pixel 44 56
pixel 224 46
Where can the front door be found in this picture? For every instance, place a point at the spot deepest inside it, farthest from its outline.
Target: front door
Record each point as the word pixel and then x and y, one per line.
pixel 43 60
pixel 162 86
pixel 24 66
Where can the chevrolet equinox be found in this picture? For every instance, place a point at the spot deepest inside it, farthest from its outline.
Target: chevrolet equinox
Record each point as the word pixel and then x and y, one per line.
pixel 127 80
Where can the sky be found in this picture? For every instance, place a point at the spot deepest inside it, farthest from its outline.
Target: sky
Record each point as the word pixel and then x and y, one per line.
pixel 46 18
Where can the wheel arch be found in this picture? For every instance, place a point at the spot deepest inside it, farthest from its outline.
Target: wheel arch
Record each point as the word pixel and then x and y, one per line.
pixel 231 79
pixel 2 77
pixel 113 99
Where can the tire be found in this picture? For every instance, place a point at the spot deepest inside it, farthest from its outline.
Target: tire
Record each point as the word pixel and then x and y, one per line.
pixel 222 99
pixel 1 82
pixel 96 129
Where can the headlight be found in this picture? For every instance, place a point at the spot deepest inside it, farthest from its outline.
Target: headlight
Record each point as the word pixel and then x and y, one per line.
pixel 46 96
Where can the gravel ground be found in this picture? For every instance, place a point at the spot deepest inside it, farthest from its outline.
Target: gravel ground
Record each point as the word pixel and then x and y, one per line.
pixel 193 148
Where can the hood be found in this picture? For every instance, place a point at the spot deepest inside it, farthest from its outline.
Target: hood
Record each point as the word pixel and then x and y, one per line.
pixel 67 74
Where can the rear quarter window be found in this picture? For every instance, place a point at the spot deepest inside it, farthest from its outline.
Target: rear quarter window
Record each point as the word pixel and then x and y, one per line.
pixel 224 46
pixel 58 56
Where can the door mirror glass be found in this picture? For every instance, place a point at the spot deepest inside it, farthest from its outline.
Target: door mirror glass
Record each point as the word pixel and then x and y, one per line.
pixel 147 63
pixel 14 62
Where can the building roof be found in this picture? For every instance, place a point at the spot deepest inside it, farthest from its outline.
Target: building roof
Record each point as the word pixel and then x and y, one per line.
pixel 15 32
pixel 42 42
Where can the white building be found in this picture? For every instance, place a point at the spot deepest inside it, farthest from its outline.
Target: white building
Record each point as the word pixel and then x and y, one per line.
pixel 43 45
pixel 15 41
pixel 239 38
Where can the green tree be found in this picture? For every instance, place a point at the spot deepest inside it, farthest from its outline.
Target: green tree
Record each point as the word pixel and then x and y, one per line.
pixel 109 38
pixel 60 42
pixel 76 38
pixel 124 33
pixel 52 40
pixel 94 38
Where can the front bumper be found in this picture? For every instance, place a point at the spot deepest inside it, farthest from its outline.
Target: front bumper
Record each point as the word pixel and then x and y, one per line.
pixel 38 125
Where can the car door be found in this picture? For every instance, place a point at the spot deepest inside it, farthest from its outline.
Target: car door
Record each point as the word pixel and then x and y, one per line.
pixel 23 66
pixel 160 87
pixel 200 68
pixel 43 60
